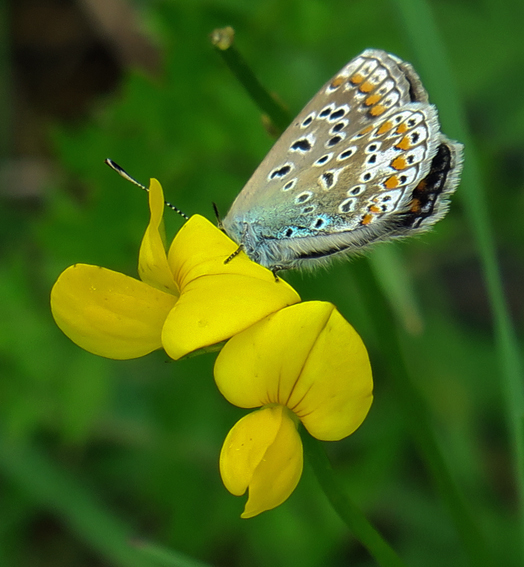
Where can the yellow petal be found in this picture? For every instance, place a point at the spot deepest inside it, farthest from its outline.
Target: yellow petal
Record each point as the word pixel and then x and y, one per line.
pixel 335 390
pixel 108 313
pixel 307 357
pixel 262 453
pixel 217 300
pixel 153 267
pixel 200 249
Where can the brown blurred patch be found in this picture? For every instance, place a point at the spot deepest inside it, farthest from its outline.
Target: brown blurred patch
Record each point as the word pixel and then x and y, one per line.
pixel 65 54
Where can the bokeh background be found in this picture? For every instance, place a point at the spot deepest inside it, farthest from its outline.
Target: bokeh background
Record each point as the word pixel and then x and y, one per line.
pixel 108 463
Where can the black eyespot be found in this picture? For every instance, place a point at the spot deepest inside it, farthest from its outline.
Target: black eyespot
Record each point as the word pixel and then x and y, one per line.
pixel 372 159
pixel 325 112
pixel 415 137
pixel 307 121
pixel 403 179
pixel 328 179
pixel 307 210
pixel 410 159
pixel 356 190
pixel 303 145
pixel 334 141
pixel 337 114
pixel 303 198
pixel 346 153
pixel 289 184
pixel 338 127
pixel 284 170
pixel 366 176
pixel 289 232
pixel 319 223
pixel 346 207
pixel 411 122
pixel 372 147
pixel 322 160
pixel 386 198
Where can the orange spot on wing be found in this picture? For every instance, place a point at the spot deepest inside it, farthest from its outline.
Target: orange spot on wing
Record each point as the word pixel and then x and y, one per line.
pixel 337 81
pixel 372 99
pixel 404 144
pixel 377 110
pixel 374 209
pixel 366 130
pixel 366 87
pixel 386 127
pixel 399 163
pixel 391 182
pixel 421 187
pixel 402 128
pixel 366 219
pixel 415 206
pixel 357 78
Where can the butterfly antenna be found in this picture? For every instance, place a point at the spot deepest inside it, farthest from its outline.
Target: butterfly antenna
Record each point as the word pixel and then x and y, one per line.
pixel 234 255
pixel 123 173
pixel 217 216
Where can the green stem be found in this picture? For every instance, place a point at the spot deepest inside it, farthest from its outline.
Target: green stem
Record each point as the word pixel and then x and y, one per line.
pixel 223 42
pixel 345 507
pixel 416 414
pixel 422 30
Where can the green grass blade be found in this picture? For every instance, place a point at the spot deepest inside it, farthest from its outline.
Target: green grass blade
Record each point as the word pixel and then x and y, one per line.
pixel 54 489
pixel 414 409
pixel 422 30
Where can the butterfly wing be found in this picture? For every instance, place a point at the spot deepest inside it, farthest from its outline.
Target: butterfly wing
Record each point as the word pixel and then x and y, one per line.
pixel 346 171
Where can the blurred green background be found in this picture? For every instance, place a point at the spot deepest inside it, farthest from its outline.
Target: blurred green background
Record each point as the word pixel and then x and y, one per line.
pixel 94 453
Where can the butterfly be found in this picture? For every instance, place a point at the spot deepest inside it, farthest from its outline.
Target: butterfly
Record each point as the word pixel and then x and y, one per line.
pixel 364 162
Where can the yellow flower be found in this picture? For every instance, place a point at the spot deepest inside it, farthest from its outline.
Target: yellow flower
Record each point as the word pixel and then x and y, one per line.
pixel 304 363
pixel 185 300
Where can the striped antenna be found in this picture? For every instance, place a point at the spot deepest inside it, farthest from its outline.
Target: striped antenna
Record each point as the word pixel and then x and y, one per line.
pixel 123 173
